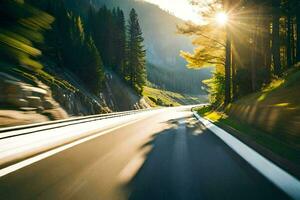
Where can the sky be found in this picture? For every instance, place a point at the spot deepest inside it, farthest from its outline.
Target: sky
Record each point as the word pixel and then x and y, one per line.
pixel 180 8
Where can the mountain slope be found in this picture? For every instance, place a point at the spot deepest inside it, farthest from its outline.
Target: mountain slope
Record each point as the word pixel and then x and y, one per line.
pixel 162 42
pixel 163 45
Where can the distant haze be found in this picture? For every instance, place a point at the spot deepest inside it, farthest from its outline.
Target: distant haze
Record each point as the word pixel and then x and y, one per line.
pixel 180 8
pixel 162 42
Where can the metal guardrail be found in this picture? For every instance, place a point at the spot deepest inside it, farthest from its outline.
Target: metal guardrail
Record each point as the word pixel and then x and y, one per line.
pixel 33 128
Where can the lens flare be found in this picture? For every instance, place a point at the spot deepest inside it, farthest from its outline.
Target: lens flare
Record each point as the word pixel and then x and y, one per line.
pixel 222 18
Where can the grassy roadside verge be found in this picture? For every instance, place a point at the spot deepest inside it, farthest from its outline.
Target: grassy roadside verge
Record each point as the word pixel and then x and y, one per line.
pixel 284 155
pixel 159 97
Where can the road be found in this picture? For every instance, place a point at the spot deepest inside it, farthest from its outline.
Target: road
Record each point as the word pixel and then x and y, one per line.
pixel 164 156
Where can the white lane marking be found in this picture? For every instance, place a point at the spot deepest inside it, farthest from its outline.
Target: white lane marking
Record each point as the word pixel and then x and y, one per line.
pixel 283 180
pixel 29 161
pixel 24 146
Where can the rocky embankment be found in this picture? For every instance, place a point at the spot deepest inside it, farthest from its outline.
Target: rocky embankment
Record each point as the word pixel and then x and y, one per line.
pixel 121 97
pixel 24 103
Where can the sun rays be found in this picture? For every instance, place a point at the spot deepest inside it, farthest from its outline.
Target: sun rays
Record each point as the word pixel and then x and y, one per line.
pixel 221 18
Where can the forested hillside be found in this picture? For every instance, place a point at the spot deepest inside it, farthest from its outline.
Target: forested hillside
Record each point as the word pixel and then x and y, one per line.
pixel 93 41
pixel 49 50
pixel 83 45
pixel 254 92
pixel 184 81
pixel 258 42
pixel 71 49
pixel 162 43
pixel 159 28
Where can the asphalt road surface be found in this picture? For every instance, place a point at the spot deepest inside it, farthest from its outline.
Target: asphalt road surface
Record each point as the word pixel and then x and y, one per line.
pixel 166 156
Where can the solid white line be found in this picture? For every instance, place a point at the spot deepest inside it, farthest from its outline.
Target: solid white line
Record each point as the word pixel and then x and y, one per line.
pixel 29 161
pixel 283 180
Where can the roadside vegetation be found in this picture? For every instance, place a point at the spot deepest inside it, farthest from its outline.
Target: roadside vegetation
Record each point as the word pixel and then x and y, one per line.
pixel 255 49
pixel 159 97
pixel 269 118
pixel 250 44
pixel 36 35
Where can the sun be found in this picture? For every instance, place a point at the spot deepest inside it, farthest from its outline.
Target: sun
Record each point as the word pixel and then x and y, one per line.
pixel 222 18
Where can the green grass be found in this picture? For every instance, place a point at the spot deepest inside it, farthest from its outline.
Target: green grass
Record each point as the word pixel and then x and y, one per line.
pixel 158 97
pixel 270 118
pixel 293 79
pixel 245 130
pixel 275 110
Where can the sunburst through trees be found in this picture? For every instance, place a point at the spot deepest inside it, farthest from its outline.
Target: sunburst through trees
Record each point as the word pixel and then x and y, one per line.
pixel 249 42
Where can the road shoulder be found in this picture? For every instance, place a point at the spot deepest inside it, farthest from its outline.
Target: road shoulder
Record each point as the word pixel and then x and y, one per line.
pixel 286 182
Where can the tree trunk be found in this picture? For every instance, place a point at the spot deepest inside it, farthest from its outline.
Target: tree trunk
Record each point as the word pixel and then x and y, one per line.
pixel 268 59
pixel 254 59
pixel 228 69
pixel 276 38
pixel 293 42
pixel 298 36
pixel 258 48
pixel 234 82
pixel 288 41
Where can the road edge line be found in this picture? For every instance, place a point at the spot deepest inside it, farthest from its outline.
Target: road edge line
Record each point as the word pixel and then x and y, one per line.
pixel 279 177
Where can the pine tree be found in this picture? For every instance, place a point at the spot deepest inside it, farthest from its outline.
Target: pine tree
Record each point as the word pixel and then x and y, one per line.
pixel 298 33
pixel 276 37
pixel 85 60
pixel 103 36
pixel 91 71
pixel 108 30
pixel 136 53
pixel 120 42
pixel 70 46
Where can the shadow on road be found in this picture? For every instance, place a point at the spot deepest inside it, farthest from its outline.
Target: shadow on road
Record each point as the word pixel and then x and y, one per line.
pixel 188 162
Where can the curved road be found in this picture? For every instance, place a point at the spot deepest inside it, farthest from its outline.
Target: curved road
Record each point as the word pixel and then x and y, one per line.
pixel 166 156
